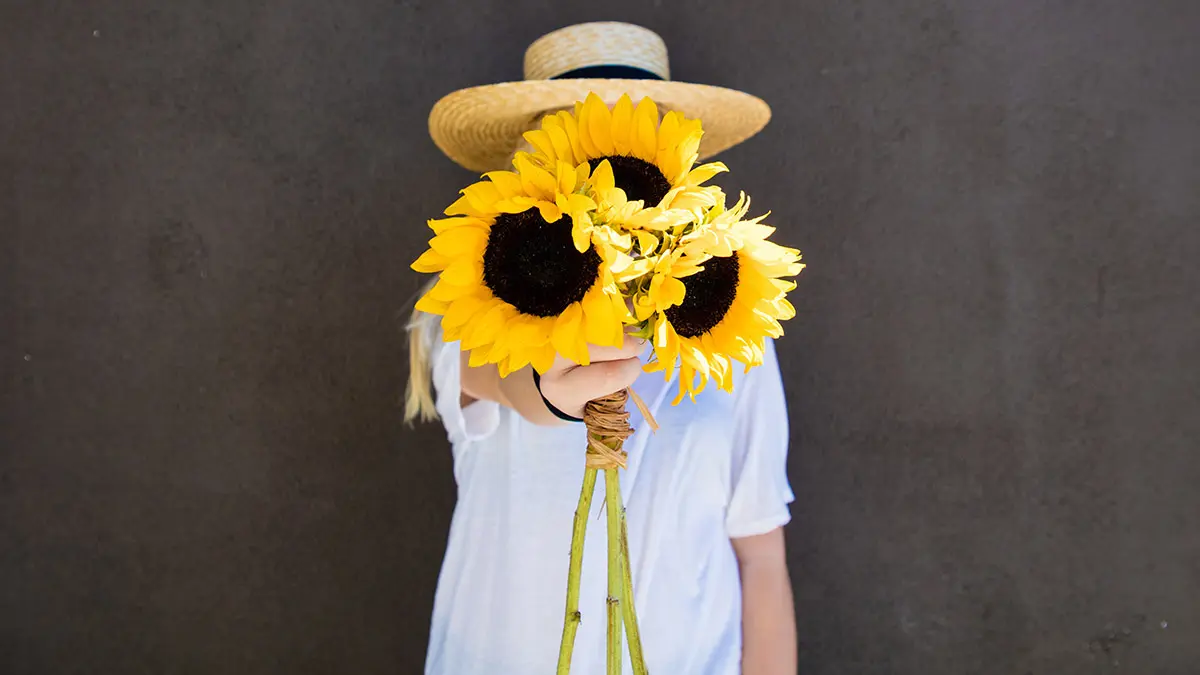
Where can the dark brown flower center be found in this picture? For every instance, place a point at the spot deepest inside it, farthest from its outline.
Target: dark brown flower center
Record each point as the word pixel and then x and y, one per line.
pixel 640 179
pixel 708 295
pixel 534 266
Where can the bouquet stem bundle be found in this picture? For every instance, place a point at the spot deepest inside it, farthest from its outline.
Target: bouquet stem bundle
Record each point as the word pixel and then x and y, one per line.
pixel 607 424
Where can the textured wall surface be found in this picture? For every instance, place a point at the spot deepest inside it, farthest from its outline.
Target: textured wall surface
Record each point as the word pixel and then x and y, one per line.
pixel 206 214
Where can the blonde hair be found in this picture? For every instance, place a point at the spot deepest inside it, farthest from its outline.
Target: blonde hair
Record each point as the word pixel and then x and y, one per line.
pixel 418 394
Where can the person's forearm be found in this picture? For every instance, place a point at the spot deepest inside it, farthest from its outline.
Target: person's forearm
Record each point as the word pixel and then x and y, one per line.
pixel 768 620
pixel 516 391
pixel 568 386
pixel 522 395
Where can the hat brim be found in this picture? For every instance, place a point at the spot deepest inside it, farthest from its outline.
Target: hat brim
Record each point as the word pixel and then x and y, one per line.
pixel 479 128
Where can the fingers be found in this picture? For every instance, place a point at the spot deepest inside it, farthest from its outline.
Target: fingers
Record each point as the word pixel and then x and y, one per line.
pixel 632 348
pixel 570 390
pixel 603 378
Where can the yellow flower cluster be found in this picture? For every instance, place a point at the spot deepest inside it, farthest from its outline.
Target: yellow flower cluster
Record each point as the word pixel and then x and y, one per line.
pixel 608 227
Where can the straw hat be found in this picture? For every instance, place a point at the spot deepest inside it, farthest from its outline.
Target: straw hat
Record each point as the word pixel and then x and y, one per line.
pixel 479 128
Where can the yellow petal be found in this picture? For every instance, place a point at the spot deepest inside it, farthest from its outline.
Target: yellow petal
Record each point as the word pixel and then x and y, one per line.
pixel 693 355
pixel 432 306
pixel 507 182
pixel 567 337
pixel 565 177
pixel 452 334
pixel 478 358
pixel 621 310
pixel 670 292
pixel 669 163
pixel 691 198
pixel 602 177
pixel 540 140
pixel 784 309
pixel 440 225
pixel 721 370
pixel 742 351
pixel 645 127
pixel 460 241
pixel 688 127
pixel 668 136
pixel 571 126
pixel 685 269
pixel 687 157
pixel 579 203
pixel 464 272
pixel 537 182
pixel 483 329
pixel 705 172
pixel 463 310
pixel 550 211
pixel 583 114
pixel 462 207
pixel 599 322
pixel 499 350
pixel 666 340
pixel 581 235
pixel 541 359
pixel 599 124
pixel 530 331
pixel 446 291
pixel 559 139
pixel 784 285
pixel 625 268
pixel 754 230
pixel 647 242
pixel 430 261
pixel 619 240
pixel 516 204
pixel 684 386
pixel 483 196
pixel 643 308
pixel 622 125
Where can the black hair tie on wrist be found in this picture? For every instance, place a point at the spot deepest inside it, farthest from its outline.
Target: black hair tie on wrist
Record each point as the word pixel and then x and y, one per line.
pixel 537 383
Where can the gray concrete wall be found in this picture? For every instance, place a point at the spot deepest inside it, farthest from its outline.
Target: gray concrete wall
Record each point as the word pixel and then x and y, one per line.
pixel 206 215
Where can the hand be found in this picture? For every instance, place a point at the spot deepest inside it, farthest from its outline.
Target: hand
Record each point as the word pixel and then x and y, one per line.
pixel 568 386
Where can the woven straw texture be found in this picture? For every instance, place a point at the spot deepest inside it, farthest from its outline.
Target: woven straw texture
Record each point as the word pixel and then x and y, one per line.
pixel 596 44
pixel 479 128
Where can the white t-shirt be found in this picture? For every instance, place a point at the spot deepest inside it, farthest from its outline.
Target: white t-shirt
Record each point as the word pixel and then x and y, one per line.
pixel 715 470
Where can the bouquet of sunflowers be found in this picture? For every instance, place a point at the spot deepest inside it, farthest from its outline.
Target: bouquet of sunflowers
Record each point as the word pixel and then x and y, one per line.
pixel 608 227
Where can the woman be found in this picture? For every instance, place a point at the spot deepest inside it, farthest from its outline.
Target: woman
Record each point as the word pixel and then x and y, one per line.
pixel 706 495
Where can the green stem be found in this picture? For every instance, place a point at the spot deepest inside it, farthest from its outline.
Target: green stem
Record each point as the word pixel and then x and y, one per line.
pixel 573 617
pixel 631 624
pixel 612 496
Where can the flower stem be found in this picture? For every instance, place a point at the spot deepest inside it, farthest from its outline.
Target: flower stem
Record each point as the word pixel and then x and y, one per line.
pixel 612 496
pixel 631 624
pixel 573 617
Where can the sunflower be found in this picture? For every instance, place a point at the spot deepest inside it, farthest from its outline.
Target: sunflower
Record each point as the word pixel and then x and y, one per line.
pixel 715 297
pixel 515 285
pixel 653 162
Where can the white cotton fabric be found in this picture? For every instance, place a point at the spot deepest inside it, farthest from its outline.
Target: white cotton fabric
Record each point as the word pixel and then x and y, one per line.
pixel 715 470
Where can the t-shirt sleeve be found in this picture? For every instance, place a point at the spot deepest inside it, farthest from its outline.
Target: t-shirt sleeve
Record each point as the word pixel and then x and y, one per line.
pixel 760 492
pixel 474 422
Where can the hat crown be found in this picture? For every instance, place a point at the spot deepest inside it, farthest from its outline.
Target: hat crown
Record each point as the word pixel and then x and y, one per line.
pixel 603 43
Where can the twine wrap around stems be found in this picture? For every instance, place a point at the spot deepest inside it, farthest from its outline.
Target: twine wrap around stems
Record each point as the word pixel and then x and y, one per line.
pixel 607 424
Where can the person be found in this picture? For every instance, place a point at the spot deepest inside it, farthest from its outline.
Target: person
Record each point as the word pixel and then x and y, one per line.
pixel 706 496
